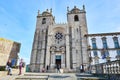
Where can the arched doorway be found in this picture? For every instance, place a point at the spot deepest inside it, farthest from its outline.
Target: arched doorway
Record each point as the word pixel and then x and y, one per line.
pixel 58 60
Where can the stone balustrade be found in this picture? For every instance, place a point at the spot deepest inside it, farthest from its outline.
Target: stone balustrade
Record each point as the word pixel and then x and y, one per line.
pixel 112 67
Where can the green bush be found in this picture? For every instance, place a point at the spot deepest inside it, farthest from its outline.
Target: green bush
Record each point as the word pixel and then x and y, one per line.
pixel 2 68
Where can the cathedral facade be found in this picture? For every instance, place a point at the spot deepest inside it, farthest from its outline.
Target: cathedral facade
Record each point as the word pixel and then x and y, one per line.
pixel 60 44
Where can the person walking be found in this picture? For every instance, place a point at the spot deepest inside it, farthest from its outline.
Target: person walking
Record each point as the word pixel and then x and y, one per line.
pixel 47 68
pixel 9 67
pixel 58 68
pixel 81 68
pixel 20 66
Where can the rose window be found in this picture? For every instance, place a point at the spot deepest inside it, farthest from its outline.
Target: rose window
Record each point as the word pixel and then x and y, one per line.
pixel 58 36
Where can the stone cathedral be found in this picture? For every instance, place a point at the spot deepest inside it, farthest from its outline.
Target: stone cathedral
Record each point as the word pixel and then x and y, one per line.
pixel 60 44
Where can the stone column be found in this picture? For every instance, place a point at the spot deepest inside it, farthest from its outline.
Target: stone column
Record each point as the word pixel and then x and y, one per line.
pixel 42 59
pixel 42 63
pixel 73 48
pixel 48 54
pixel 63 61
pixel 33 61
pixel 38 51
pixel 44 46
pixel 67 50
pixel 34 52
pixel 52 59
pixel 74 56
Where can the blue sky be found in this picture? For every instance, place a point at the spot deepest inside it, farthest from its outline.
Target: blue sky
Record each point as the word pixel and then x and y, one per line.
pixel 18 18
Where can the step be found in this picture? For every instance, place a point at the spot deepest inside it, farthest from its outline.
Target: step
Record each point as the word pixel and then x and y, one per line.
pixel 84 75
pixel 46 76
pixel 90 78
pixel 58 76
pixel 32 78
pixel 61 77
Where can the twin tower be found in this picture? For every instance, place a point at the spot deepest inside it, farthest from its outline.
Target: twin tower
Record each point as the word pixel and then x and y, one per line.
pixel 60 44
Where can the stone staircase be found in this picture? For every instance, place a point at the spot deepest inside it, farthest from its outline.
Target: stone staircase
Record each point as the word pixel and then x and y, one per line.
pixel 62 77
pixel 58 76
pixel 85 76
pixel 47 76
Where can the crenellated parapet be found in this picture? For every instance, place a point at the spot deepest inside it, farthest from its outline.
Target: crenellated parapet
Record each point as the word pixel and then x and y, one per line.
pixel 76 10
pixel 45 13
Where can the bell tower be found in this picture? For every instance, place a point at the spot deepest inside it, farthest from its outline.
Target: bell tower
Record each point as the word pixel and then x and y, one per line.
pixel 38 53
pixel 78 43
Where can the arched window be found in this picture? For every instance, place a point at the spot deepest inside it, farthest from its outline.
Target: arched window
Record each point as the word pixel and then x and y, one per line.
pixel 76 18
pixel 44 21
pixel 58 36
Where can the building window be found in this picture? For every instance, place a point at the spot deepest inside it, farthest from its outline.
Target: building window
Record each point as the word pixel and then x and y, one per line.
pixel 118 52
pixel 76 18
pixel 58 56
pixel 116 43
pixel 95 53
pixel 44 21
pixel 105 46
pixel 94 43
pixel 104 43
pixel 94 46
pixel 107 53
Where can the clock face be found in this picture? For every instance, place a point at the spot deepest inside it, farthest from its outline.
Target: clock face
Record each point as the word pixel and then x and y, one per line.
pixel 58 36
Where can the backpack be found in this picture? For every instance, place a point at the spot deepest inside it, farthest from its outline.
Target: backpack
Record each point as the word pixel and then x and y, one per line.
pixel 23 64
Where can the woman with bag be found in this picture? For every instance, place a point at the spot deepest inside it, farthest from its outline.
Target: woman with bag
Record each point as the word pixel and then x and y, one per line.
pixel 20 66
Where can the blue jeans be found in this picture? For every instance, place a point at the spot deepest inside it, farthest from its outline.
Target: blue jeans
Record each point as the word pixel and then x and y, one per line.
pixel 9 70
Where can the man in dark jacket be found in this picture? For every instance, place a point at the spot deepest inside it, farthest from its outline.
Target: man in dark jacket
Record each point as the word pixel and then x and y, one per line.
pixel 9 67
